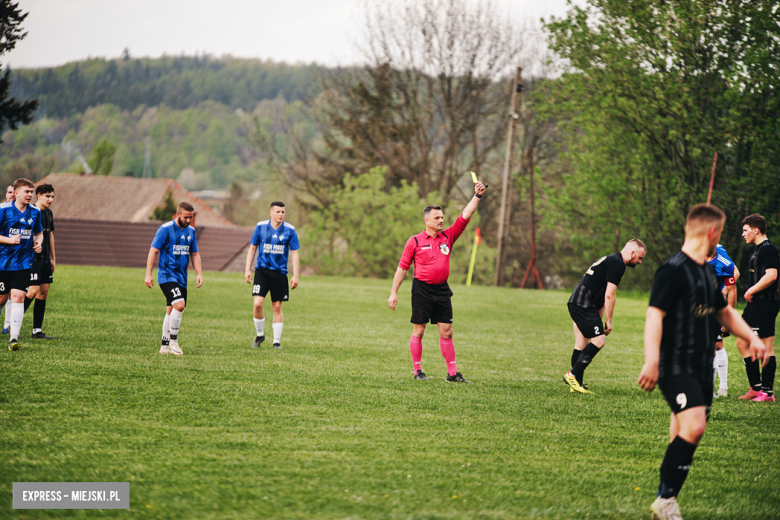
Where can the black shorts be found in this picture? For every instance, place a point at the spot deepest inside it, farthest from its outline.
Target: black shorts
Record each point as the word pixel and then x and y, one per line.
pixel 587 320
pixel 274 281
pixel 686 392
pixel 173 292
pixel 431 303
pixel 41 273
pixel 760 315
pixel 19 280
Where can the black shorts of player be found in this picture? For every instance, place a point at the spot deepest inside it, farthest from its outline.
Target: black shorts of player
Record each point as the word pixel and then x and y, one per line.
pixel 19 280
pixel 41 274
pixel 760 315
pixel 587 320
pixel 686 392
pixel 271 280
pixel 431 303
pixel 173 292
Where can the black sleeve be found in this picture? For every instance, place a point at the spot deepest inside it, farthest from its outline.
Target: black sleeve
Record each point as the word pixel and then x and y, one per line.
pixel 666 288
pixel 51 221
pixel 615 269
pixel 720 301
pixel 767 257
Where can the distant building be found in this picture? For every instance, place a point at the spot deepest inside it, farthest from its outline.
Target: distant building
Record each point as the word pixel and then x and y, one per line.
pixel 88 206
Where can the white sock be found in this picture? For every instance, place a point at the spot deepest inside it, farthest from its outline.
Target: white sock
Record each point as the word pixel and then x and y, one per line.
pixel 7 324
pixel 722 363
pixel 715 367
pixel 166 331
pixel 17 315
pixel 259 324
pixel 175 323
pixel 278 332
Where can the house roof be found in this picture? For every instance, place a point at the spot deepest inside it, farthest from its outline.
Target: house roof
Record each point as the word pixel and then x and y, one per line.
pixel 120 199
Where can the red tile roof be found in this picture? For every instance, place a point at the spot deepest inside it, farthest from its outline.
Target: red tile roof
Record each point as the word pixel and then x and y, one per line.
pixel 123 199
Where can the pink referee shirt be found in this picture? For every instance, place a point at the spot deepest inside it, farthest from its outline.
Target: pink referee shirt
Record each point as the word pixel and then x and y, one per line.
pixel 431 255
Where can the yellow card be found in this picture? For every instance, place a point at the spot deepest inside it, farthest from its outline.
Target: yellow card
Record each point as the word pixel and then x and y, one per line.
pixel 474 177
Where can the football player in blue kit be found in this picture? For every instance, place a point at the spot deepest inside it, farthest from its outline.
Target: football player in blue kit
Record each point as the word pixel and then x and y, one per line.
pixel 21 233
pixel 177 244
pixel 274 241
pixel 727 274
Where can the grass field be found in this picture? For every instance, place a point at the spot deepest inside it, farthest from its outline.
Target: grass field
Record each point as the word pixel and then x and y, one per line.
pixel 334 426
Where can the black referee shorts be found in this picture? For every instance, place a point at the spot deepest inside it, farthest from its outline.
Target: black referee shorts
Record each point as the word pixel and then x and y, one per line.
pixel 686 392
pixel 587 320
pixel 431 303
pixel 761 316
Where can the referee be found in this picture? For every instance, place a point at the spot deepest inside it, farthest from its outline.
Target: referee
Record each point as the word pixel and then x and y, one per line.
pixel 430 252
pixel 679 336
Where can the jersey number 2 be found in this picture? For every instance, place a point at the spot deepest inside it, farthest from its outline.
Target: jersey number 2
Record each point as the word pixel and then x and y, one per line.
pixel 597 262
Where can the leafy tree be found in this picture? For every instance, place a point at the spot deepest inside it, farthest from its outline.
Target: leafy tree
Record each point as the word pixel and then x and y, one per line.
pixel 652 90
pixel 102 159
pixel 12 112
pixel 167 210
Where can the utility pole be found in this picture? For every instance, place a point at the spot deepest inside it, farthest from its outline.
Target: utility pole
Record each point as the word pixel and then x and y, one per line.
pixel 531 269
pixel 510 146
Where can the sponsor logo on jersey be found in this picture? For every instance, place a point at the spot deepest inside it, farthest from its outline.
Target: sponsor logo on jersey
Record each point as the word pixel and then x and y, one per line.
pixel 183 249
pixel 273 249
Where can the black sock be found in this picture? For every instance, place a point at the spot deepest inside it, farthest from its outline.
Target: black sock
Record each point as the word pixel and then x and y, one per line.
pixel 38 311
pixel 575 356
pixel 753 373
pixel 768 377
pixel 587 355
pixel 675 467
pixel 27 302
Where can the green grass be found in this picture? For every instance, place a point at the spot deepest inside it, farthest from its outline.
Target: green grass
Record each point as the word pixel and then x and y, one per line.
pixel 334 426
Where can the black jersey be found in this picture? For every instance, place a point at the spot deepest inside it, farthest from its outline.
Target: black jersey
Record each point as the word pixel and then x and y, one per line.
pixel 589 293
pixel 689 295
pixel 47 221
pixel 764 257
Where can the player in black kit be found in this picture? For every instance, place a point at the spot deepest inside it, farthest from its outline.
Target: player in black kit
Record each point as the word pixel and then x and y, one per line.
pixel 592 300
pixel 42 274
pixel 761 310
pixel 679 341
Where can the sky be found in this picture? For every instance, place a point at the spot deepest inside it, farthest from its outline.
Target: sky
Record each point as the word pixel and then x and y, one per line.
pixel 293 31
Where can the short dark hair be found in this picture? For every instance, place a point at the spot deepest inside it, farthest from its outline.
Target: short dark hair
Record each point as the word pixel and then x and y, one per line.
pixel 185 206
pixel 43 189
pixel 428 209
pixel 638 243
pixel 755 221
pixel 702 216
pixel 278 203
pixel 23 182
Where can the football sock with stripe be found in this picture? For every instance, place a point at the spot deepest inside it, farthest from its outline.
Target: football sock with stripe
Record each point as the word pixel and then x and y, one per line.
pixel 753 373
pixel 448 351
pixel 278 332
pixel 675 467
pixel 722 365
pixel 588 353
pixel 38 312
pixel 768 377
pixel 575 356
pixel 415 347
pixel 166 330
pixel 17 315
pixel 259 326
pixel 175 323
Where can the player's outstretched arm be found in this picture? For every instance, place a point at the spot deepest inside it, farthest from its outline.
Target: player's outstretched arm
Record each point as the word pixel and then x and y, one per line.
pixel 296 261
pixel 471 207
pixel 730 318
pixel 397 279
pixel 250 255
pixel 654 328
pixel 196 264
pixel 149 281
